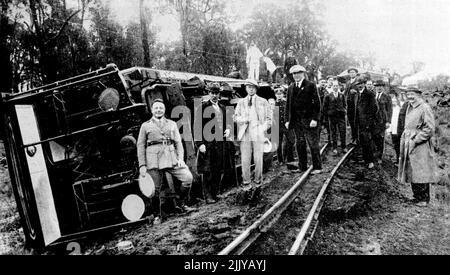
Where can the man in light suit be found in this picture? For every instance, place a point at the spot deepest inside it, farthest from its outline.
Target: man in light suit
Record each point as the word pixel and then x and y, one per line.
pixel 253 117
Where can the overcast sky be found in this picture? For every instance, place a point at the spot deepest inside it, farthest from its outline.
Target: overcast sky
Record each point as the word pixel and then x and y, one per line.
pixel 397 32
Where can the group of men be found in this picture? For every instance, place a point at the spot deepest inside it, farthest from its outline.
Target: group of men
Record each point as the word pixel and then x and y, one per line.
pixel 365 105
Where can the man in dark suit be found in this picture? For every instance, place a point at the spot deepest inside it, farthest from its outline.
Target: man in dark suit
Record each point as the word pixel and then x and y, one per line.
pixel 214 158
pixel 365 119
pixel 384 118
pixel 303 116
pixel 350 95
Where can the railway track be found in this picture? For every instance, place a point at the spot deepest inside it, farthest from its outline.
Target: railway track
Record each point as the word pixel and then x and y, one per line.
pixel 253 235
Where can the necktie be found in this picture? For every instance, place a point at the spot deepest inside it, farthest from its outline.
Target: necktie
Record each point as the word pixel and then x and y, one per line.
pixel 250 101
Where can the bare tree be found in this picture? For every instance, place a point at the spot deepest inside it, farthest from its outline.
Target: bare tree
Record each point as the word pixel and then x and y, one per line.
pixel 144 30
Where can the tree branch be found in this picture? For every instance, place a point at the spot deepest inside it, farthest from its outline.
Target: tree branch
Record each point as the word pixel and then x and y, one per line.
pixel 66 22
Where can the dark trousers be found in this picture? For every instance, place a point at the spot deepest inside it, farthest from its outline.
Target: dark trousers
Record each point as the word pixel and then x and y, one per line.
pixel 378 140
pixel 211 180
pixel 337 125
pixel 421 191
pixel 365 138
pixel 326 125
pixel 351 120
pixel 285 152
pixel 396 143
pixel 304 134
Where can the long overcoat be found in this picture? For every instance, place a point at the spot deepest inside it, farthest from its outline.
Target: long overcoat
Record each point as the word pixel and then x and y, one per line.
pixel 417 157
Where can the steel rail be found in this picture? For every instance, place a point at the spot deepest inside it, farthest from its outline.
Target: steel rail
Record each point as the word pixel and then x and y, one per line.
pixel 246 238
pixel 301 242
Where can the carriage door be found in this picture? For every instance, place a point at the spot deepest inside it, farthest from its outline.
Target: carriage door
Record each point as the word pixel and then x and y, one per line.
pixel 38 173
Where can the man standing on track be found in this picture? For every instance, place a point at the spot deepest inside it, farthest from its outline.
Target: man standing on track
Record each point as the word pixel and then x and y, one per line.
pixel 303 116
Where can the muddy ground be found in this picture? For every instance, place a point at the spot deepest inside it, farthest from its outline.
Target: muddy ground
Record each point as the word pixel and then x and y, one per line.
pixel 371 213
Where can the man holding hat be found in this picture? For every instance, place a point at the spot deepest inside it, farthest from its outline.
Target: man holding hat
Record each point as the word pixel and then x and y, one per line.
pixel 384 117
pixel 214 158
pixel 365 119
pixel 417 156
pixel 350 94
pixel 303 116
pixel 253 117
pixel 159 148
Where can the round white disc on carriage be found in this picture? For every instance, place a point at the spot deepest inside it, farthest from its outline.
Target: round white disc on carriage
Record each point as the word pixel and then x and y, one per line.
pixel 133 207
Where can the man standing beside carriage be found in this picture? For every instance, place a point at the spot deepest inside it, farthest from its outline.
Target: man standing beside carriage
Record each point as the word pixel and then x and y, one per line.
pixel 216 154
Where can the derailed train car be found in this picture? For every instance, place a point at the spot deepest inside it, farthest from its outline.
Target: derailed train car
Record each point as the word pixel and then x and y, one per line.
pixel 71 146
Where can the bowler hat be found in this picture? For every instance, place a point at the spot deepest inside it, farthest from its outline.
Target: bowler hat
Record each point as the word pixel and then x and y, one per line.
pixel 296 69
pixel 379 83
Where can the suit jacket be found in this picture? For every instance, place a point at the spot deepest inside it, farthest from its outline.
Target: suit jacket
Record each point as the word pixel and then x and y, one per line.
pixel 309 105
pixel 335 107
pixel 366 110
pixel 401 119
pixel 385 108
pixel 263 113
pixel 351 99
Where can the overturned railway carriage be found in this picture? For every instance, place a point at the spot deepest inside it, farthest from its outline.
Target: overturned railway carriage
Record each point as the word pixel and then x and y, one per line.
pixel 71 146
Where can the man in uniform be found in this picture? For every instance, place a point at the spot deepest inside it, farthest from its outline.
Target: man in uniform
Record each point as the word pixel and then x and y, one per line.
pixel 253 117
pixel 303 116
pixel 384 118
pixel 160 149
pixel 213 155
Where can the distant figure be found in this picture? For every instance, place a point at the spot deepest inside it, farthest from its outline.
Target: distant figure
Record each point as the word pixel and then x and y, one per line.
pixel 351 103
pixel 384 118
pixel 285 153
pixel 395 129
pixel 253 60
pixel 370 86
pixel 235 73
pixel 417 157
pixel 365 119
pixel 335 108
pixel 323 91
pixel 288 63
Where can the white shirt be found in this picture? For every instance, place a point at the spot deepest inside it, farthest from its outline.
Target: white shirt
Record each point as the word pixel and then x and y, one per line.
pixel 394 122
pixel 299 84
pixel 379 95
